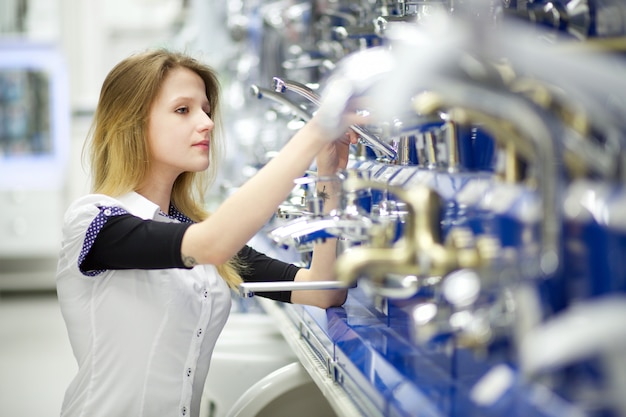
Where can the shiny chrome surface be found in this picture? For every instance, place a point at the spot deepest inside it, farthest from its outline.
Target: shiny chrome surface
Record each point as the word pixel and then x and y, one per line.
pixel 532 141
pixel 260 93
pixel 247 289
pixel 584 154
pixel 368 137
pixel 302 232
pixel 420 252
pixel 445 63
pixel 306 223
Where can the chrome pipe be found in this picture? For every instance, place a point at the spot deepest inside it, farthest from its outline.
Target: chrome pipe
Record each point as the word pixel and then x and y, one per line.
pixel 247 289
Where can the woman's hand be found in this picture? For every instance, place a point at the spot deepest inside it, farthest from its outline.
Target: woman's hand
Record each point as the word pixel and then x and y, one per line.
pixel 334 156
pixel 328 131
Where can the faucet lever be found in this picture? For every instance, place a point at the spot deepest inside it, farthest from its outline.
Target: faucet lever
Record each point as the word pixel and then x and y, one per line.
pixel 247 289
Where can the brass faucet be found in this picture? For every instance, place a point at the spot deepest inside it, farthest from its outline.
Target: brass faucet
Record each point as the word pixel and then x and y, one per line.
pixel 582 155
pixel 529 141
pixel 420 252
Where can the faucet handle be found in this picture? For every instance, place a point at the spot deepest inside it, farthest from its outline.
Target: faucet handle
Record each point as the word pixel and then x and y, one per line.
pixel 247 289
pixel 394 286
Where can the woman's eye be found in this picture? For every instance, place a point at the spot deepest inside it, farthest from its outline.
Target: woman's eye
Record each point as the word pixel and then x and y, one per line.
pixel 182 110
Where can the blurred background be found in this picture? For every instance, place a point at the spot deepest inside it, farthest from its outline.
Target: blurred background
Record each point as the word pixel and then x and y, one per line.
pixel 54 55
pixel 482 230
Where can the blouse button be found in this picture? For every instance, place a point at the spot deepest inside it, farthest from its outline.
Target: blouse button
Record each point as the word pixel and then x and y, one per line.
pixel 107 212
pixel 199 332
pixel 183 411
pixel 188 372
pixel 205 293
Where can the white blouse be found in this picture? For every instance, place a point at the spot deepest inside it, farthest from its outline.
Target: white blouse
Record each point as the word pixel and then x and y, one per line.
pixel 143 339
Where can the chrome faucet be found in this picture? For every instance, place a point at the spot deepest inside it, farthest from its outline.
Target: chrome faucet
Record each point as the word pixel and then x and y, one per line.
pixel 368 137
pixel 260 93
pixel 311 225
pixel 303 232
pixel 280 86
pixel 590 329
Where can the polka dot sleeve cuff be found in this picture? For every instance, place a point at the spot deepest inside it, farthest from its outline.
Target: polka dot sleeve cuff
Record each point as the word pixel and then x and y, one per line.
pixel 92 232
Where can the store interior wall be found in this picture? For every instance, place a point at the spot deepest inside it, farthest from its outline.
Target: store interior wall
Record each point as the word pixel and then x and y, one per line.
pixel 92 36
pixel 36 361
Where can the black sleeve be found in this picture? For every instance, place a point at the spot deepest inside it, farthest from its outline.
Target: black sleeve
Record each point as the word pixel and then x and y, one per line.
pixel 128 242
pixel 259 267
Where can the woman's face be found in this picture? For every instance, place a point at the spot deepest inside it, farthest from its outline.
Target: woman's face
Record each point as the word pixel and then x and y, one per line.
pixel 179 126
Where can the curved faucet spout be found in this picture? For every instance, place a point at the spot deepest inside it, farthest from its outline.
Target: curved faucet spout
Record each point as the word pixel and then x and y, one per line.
pixel 260 92
pixel 360 262
pixel 280 86
pixel 368 137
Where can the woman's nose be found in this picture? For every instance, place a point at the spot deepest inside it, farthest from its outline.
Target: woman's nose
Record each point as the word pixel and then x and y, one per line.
pixel 206 122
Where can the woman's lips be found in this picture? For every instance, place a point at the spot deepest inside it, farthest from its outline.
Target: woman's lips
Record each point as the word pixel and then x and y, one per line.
pixel 204 144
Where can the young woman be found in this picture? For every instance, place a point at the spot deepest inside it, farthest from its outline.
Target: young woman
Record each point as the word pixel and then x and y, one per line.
pixel 144 272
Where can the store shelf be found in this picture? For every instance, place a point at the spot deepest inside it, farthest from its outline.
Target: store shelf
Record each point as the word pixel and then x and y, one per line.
pixel 288 319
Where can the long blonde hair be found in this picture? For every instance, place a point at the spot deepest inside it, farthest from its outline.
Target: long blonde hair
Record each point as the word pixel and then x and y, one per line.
pixel 118 145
